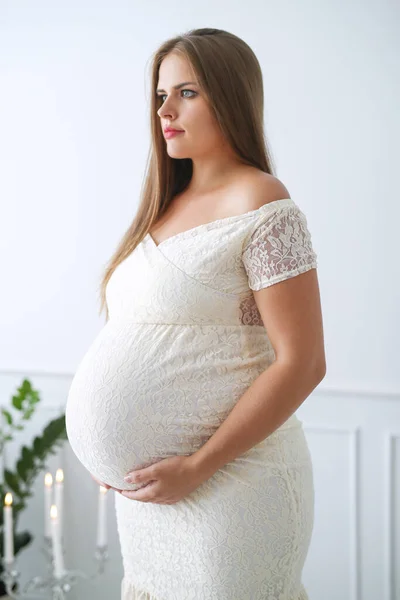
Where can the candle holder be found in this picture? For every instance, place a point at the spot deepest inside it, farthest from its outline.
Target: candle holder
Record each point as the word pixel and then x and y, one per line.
pixel 56 587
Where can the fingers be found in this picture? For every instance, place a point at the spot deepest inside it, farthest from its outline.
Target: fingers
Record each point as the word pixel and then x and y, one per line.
pixel 143 494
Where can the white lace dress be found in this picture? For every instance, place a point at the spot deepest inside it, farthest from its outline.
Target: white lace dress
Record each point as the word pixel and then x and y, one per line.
pixel 183 343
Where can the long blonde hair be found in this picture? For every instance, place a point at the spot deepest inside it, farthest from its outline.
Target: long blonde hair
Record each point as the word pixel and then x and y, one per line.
pixel 230 75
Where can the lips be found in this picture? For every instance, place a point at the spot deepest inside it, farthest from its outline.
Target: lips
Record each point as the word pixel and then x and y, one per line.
pixel 172 133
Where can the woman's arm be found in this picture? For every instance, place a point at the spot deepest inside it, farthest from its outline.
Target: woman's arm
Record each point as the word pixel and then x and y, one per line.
pixel 291 313
pixel 270 400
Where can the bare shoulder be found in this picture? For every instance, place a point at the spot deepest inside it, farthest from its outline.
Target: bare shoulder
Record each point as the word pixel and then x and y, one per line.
pixel 259 188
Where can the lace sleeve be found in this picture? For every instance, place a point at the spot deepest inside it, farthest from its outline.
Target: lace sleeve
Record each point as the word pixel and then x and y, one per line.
pixel 278 248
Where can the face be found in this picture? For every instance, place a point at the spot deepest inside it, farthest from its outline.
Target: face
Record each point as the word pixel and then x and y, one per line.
pixel 187 109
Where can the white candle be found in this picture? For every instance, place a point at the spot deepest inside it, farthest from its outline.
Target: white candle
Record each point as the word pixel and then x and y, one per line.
pixel 102 518
pixel 59 493
pixel 8 529
pixel 58 558
pixel 48 492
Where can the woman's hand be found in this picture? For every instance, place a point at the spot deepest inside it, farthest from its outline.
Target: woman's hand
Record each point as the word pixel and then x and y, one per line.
pixel 168 481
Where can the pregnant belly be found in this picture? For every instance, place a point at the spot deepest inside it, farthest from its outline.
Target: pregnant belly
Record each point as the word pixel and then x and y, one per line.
pixel 144 392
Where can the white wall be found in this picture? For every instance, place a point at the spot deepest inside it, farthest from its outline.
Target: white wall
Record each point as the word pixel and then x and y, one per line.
pixel 73 143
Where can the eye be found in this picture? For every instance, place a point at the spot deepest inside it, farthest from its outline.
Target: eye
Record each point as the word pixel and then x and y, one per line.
pixel 191 92
pixel 161 96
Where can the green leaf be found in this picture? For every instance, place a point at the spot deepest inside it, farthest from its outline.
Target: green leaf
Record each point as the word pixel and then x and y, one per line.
pixel 26 386
pixel 28 413
pixel 12 481
pixel 31 461
pixel 22 539
pixel 21 469
pixel 7 415
pixel 27 457
pixel 17 402
pixel 38 447
pixel 35 397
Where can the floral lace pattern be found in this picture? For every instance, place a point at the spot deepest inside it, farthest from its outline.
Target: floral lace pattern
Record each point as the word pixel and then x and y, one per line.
pixel 183 343
pixel 278 249
pixel 243 534
pixel 249 313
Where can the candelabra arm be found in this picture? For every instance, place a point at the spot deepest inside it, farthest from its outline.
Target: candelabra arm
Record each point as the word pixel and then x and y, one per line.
pixel 59 587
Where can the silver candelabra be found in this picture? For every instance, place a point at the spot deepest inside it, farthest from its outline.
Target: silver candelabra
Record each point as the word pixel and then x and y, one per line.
pixel 48 585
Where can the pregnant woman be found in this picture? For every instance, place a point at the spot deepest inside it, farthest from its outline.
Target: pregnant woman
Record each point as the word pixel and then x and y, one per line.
pixel 213 339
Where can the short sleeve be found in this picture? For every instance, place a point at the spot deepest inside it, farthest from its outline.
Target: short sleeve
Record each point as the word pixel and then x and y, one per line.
pixel 278 248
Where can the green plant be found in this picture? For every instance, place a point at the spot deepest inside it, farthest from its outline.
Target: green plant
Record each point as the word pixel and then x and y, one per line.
pixel 31 461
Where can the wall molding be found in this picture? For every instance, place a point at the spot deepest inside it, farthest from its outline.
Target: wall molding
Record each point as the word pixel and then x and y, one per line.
pixel 389 514
pixel 353 434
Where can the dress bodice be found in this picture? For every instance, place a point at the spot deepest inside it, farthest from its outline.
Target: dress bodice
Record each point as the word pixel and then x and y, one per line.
pixel 205 275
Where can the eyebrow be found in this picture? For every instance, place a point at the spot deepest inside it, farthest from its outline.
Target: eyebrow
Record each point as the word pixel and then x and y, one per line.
pixel 176 87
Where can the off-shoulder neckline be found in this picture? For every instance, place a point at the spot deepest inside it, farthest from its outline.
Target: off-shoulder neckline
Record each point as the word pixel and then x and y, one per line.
pixel 250 213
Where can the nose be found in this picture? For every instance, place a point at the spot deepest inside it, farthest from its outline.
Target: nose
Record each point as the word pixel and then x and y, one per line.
pixel 166 110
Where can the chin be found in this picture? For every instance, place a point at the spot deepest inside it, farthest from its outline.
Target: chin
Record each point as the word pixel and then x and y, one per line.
pixel 176 154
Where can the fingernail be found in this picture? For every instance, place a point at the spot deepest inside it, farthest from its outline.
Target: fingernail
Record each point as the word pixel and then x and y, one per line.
pixel 128 479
